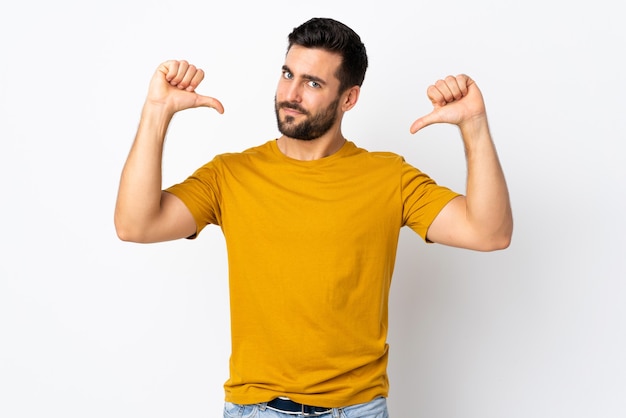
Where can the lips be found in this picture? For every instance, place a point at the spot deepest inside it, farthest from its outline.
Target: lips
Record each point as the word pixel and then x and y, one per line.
pixel 292 108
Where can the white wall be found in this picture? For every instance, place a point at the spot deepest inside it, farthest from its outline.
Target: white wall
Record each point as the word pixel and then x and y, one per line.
pixel 94 327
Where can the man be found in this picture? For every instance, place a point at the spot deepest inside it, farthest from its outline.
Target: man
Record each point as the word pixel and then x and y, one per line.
pixel 311 223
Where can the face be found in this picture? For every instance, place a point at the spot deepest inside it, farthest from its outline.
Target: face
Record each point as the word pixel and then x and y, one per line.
pixel 307 98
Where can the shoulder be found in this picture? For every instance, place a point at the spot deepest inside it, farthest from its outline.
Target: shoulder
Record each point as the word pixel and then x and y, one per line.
pixel 383 157
pixel 383 160
pixel 386 156
pixel 262 151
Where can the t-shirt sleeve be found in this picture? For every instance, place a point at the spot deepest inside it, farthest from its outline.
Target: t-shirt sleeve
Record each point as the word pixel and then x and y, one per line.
pixel 422 198
pixel 200 192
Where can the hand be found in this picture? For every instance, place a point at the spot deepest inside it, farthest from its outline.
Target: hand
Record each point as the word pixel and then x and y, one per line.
pixel 455 100
pixel 173 85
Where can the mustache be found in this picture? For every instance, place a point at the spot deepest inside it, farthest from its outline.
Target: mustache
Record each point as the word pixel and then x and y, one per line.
pixel 294 106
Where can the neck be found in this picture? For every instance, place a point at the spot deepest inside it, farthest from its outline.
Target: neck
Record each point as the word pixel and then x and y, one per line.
pixel 315 149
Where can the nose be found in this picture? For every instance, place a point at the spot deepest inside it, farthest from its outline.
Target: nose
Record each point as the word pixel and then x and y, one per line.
pixel 293 92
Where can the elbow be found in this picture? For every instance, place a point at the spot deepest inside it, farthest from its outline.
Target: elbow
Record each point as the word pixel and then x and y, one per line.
pixel 493 245
pixel 501 237
pixel 125 230
pixel 501 243
pixel 498 241
pixel 123 233
pixel 129 235
pixel 122 225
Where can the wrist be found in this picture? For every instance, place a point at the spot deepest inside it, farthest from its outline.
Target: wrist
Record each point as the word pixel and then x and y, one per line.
pixel 475 129
pixel 157 109
pixel 155 118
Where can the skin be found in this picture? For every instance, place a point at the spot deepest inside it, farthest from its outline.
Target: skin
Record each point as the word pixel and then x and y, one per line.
pixel 481 220
pixel 308 80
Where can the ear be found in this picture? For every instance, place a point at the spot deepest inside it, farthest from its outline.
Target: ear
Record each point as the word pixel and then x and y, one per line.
pixel 350 97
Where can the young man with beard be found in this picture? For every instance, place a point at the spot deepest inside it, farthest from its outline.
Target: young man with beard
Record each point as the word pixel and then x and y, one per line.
pixel 311 223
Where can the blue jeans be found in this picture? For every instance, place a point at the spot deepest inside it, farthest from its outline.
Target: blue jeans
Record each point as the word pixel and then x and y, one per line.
pixel 373 409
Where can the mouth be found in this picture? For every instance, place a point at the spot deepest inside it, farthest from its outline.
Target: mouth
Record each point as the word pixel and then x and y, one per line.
pixel 290 114
pixel 292 109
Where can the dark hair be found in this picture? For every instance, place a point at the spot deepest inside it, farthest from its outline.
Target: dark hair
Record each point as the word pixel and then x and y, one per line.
pixel 334 36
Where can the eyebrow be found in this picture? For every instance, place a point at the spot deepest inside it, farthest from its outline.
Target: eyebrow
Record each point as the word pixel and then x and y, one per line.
pixel 307 76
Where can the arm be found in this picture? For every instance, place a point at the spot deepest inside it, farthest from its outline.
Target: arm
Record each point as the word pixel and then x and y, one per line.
pixel 143 212
pixel 482 219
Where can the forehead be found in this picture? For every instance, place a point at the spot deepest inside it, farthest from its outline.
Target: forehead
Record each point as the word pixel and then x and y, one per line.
pixel 313 61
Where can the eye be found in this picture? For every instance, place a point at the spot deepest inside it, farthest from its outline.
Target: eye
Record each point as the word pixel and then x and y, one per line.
pixel 287 75
pixel 314 84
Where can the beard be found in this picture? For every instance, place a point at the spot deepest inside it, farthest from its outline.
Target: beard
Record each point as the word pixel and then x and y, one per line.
pixel 312 127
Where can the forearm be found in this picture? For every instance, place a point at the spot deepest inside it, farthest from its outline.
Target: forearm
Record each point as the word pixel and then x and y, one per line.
pixel 487 197
pixel 139 195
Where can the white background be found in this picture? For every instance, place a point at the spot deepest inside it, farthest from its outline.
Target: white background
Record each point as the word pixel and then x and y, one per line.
pixel 94 327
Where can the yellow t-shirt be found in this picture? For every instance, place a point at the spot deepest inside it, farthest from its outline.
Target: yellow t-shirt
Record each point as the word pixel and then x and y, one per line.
pixel 311 251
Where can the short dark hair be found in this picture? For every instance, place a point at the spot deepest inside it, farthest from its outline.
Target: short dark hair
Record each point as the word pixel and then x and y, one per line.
pixel 334 36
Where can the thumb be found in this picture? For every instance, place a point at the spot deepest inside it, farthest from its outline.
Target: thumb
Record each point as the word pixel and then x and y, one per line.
pixel 423 122
pixel 206 101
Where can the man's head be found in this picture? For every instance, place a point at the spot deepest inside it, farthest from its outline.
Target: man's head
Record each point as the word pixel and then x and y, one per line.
pixel 333 36
pixel 322 76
